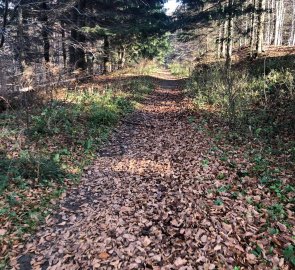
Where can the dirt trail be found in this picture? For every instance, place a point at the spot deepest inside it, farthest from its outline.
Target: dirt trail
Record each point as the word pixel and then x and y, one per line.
pixel 145 202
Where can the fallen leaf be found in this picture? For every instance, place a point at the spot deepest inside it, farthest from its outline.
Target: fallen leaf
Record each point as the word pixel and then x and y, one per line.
pixel 282 227
pixel 251 258
pixel 3 231
pixel 179 261
pixel 146 241
pixel 204 238
pixel 103 256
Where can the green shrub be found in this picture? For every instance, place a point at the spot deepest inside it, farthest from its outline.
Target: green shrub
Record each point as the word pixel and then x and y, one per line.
pixel 28 167
pixel 289 254
pixel 141 86
pixel 256 101
pixel 180 69
pixel 86 110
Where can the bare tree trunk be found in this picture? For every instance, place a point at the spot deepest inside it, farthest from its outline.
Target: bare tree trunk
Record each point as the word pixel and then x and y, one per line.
pixel 229 88
pixel 2 31
pixel 63 43
pixel 246 30
pixel 229 40
pixel 122 52
pixel 282 18
pixel 292 33
pixel 106 57
pixel 73 38
pixel 252 37
pixel 269 25
pixel 223 40
pixel 44 32
pixel 279 22
pixel 76 50
pixel 80 53
pixel 219 46
pixel 260 26
pixel 273 16
pixel 20 37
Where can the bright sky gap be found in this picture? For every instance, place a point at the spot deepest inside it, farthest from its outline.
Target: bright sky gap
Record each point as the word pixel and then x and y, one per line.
pixel 171 6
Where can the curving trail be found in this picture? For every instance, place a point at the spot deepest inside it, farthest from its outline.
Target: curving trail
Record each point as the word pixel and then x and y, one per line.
pixel 146 203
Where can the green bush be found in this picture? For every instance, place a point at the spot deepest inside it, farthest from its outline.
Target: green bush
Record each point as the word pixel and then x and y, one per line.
pixel 141 86
pixel 28 167
pixel 255 100
pixel 180 69
pixel 92 110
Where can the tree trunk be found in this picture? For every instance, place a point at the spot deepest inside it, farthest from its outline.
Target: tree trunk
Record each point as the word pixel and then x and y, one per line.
pixel 76 50
pixel 229 88
pixel 80 53
pixel 63 44
pixel 73 39
pixel 5 15
pixel 279 22
pixel 44 32
pixel 219 44
pixel 106 57
pixel 260 26
pixel 292 33
pixel 121 62
pixel 246 34
pixel 229 40
pixel 20 39
pixel 223 40
pixel 252 37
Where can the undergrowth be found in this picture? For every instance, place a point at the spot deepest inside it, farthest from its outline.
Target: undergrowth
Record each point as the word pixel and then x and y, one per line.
pixel 39 159
pixel 262 98
pixel 180 70
pixel 262 136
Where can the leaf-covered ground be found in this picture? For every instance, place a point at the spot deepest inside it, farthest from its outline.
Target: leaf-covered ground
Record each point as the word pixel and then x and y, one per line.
pixel 163 195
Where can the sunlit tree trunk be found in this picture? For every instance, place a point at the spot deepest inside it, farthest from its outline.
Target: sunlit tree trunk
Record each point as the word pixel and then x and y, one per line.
pixel 106 56
pixel 260 26
pixel 229 42
pixel 223 39
pixel 279 22
pixel 253 20
pixel 121 56
pixel 219 42
pixel 292 33
pixel 268 27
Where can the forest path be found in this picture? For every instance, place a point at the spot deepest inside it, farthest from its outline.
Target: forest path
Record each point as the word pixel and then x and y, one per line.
pixel 145 203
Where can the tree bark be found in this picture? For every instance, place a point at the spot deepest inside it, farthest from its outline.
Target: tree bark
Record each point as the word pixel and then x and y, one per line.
pixel 76 50
pixel 80 53
pixel 44 31
pixel 5 15
pixel 219 44
pixel 63 44
pixel 252 37
pixel 292 33
pixel 279 22
pixel 121 62
pixel 229 40
pixel 223 40
pixel 20 39
pixel 260 26
pixel 106 56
